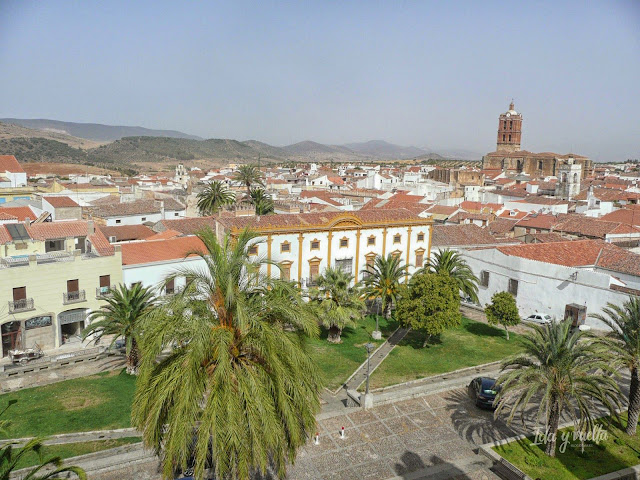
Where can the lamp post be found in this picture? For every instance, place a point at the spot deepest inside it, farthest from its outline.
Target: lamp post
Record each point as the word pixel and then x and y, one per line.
pixel 377 334
pixel 368 398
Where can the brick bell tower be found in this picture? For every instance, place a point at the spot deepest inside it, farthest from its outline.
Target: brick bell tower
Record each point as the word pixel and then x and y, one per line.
pixel 509 130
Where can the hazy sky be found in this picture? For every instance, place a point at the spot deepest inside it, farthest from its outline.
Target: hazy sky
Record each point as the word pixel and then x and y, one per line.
pixel 429 73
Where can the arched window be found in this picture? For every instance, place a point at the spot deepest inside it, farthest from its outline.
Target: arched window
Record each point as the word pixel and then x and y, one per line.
pixel 575 178
pixel 503 137
pixel 509 137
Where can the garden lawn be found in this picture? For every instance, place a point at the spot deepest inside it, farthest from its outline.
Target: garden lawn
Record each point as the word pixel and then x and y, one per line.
pixel 97 402
pixel 338 361
pixel 472 343
pixel 618 451
pixel 69 450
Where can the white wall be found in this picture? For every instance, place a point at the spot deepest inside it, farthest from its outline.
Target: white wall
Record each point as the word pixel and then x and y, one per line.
pixel 153 274
pixel 543 287
pixel 147 217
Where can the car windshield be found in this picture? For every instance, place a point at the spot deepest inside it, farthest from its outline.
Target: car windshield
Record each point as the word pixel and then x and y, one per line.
pixel 488 387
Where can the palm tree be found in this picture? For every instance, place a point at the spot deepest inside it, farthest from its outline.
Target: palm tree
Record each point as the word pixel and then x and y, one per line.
pixel 10 457
pixel 624 342
pixel 451 262
pixel 563 371
pixel 262 201
pixel 121 317
pixel 215 195
pixel 382 280
pixel 249 175
pixel 337 303
pixel 236 391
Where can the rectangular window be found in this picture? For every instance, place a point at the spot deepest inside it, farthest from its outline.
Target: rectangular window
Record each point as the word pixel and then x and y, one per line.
pixel 285 271
pixel 421 237
pixel 345 264
pixel 513 287
pixel 397 238
pixel 484 278
pixel 315 245
pixel 170 287
pixel 118 221
pixel 253 250
pixel 419 259
pixel 505 124
pixel 371 241
pixel 105 281
pixel 176 214
pixel 144 219
pixel 314 270
pixel 344 242
pixel 285 247
pixel 72 286
pixel 19 293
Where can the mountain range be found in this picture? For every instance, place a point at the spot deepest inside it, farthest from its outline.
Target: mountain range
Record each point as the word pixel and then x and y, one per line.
pixel 105 145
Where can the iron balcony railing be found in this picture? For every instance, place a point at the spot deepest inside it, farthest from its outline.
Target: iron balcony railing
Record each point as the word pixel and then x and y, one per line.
pixel 104 292
pixel 73 297
pixel 21 305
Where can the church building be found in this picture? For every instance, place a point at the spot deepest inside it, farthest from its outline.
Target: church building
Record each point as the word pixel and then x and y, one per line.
pixel 508 155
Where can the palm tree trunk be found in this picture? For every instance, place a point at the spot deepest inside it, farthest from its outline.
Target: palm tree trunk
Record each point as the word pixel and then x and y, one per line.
pixel 507 331
pixel 132 358
pixel 634 402
pixel 552 428
pixel 334 334
pixel 387 310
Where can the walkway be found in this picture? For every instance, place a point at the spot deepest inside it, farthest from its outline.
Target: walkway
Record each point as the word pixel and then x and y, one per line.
pixel 360 375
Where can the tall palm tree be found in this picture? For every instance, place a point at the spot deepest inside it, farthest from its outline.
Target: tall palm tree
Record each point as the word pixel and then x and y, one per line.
pixel 562 372
pixel 11 455
pixel 451 262
pixel 237 391
pixel 215 195
pixel 337 303
pixel 624 342
pixel 121 317
pixel 382 280
pixel 249 175
pixel 262 202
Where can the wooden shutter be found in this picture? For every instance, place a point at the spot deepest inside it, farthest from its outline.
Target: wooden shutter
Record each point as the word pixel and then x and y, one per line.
pixel 105 280
pixel 19 293
pixel 72 286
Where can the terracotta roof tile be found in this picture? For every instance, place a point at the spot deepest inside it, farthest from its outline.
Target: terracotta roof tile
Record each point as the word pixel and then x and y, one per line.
pixel 164 235
pixel 501 226
pixel 547 237
pixel 569 253
pixel 53 230
pixel 186 226
pixel 4 235
pixel 61 202
pixel 5 216
pixel 125 233
pixel 461 235
pixel 21 213
pixel 139 207
pixel 160 250
pixel 539 220
pixel 9 163
pixel 627 216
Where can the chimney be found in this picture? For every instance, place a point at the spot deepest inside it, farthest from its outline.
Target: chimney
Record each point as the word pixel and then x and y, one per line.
pixel 27 221
pixel 91 229
pixel 162 209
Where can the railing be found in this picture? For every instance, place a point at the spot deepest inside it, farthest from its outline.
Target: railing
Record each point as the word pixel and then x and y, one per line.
pixel 104 292
pixel 22 305
pixel 310 282
pixel 73 297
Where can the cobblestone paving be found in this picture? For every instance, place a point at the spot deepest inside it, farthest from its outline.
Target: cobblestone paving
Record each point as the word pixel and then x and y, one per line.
pixel 426 437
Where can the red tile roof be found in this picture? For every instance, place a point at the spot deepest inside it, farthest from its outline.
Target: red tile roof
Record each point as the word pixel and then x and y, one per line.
pixel 6 216
pixel 164 235
pixel 54 230
pixel 480 207
pixel 186 226
pixel 9 163
pixel 4 235
pixel 547 237
pixel 628 216
pixel 125 233
pixel 501 226
pixel 461 235
pixel 139 207
pixel 538 220
pixel 61 202
pixel 592 227
pixel 101 244
pixel 160 250
pixel 21 213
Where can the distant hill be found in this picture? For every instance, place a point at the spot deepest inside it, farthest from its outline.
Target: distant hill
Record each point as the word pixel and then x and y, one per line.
pixel 308 147
pixel 42 150
pixel 95 131
pixel 9 130
pixel 380 148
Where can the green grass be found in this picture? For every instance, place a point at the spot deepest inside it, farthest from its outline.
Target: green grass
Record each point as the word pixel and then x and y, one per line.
pixel 69 450
pixel 618 451
pixel 472 343
pixel 97 402
pixel 338 361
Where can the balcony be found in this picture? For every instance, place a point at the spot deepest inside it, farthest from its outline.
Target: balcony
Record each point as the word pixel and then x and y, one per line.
pixel 310 282
pixel 23 305
pixel 104 292
pixel 73 297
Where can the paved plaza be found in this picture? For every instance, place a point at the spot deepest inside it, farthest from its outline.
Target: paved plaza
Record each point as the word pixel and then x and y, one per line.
pixel 433 436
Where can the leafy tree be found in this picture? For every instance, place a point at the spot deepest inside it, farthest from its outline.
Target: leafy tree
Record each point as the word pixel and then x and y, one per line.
pixel 451 262
pixel 121 317
pixel 382 280
pixel 249 175
pixel 624 341
pixel 503 311
pixel 237 391
pixel 338 304
pixel 430 303
pixel 559 370
pixel 262 201
pixel 215 195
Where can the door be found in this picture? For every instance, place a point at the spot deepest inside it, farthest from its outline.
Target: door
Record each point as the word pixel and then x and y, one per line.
pixel 10 337
pixel 19 293
pixel 73 290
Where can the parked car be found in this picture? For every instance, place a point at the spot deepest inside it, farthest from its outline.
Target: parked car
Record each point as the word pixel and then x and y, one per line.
pixel 483 391
pixel 539 318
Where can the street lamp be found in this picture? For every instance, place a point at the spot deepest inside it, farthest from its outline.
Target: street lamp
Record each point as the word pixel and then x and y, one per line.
pixel 377 334
pixel 369 347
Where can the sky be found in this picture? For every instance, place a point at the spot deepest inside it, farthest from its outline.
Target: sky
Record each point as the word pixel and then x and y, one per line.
pixel 431 74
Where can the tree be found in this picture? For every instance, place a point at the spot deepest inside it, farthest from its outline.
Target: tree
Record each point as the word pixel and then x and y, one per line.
pixel 382 280
pixel 561 371
pixel 338 304
pixel 215 195
pixel 430 303
pixel 248 175
pixel 261 201
pixel 503 311
pixel 234 388
pixel 451 262
pixel 624 341
pixel 121 317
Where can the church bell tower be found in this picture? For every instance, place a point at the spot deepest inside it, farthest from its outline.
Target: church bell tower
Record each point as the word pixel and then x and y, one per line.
pixel 509 130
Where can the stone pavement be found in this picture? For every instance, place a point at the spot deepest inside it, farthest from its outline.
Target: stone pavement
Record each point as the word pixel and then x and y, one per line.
pixel 378 356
